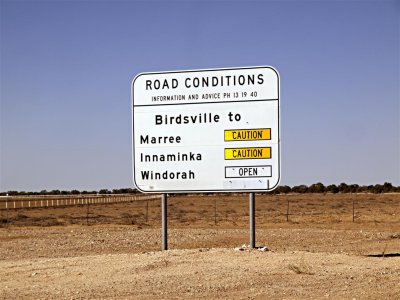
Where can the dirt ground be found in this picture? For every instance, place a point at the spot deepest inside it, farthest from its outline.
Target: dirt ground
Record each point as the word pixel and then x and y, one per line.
pixel 315 250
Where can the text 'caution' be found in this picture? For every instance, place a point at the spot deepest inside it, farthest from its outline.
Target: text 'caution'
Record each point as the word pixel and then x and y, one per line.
pixel 247 153
pixel 248 134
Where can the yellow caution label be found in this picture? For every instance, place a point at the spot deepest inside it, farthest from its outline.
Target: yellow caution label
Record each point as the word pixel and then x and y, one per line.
pixel 247 153
pixel 248 134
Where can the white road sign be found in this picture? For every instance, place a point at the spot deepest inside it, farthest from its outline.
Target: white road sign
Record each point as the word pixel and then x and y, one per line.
pixel 206 130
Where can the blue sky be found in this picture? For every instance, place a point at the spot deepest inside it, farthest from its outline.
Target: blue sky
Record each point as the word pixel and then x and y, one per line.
pixel 67 66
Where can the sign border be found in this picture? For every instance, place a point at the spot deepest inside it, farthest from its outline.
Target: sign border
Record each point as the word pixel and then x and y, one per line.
pixel 207 190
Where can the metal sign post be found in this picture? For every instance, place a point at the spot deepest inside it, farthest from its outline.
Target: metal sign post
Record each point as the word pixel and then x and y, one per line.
pixel 164 225
pixel 252 217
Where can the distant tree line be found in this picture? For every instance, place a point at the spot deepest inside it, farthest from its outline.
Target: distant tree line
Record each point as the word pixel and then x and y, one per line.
pixel 283 189
pixel 72 192
pixel 341 188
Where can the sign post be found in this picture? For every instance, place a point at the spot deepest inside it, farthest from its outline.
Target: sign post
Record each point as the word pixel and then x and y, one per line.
pixel 206 131
pixel 252 221
pixel 164 226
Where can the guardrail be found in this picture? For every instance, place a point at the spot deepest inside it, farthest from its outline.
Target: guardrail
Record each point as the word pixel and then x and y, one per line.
pixel 23 202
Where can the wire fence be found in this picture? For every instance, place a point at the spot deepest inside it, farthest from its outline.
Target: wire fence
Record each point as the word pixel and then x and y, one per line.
pixel 210 210
pixel 20 202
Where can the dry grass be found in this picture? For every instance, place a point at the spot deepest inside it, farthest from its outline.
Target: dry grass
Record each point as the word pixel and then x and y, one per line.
pixel 301 269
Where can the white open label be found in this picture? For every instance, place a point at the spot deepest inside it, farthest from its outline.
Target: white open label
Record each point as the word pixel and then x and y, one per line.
pixel 248 171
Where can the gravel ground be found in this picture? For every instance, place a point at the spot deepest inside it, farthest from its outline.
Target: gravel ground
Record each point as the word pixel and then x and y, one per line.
pixel 77 262
pixel 323 258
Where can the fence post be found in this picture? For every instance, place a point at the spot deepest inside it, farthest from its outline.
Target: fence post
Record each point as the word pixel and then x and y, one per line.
pixel 147 211
pixel 215 211
pixel 353 210
pixel 7 208
pixel 87 212
pixel 287 210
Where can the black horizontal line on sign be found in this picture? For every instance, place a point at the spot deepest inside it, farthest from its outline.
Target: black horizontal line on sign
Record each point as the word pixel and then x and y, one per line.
pixel 220 102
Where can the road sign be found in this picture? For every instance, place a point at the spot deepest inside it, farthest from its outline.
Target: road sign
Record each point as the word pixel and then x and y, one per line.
pixel 206 130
